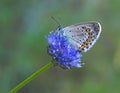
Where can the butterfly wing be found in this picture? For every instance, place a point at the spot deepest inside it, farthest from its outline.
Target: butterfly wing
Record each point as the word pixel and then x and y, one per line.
pixel 83 35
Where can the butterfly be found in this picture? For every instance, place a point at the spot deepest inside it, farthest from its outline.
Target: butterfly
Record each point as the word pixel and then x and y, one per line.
pixel 82 35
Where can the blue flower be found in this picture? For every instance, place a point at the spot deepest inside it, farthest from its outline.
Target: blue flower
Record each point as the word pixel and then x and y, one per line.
pixel 63 52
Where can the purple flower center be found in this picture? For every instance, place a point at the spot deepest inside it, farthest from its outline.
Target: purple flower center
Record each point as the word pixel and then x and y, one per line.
pixel 65 54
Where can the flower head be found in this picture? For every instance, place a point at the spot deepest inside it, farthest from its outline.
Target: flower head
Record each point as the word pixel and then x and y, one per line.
pixel 65 54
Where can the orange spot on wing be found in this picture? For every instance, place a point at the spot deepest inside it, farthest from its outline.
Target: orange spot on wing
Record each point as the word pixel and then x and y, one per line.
pixel 88 41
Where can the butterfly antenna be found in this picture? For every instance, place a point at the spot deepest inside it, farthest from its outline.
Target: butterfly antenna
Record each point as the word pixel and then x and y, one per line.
pixel 59 25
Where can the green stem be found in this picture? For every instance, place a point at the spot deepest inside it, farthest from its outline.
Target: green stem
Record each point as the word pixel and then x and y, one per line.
pixel 34 75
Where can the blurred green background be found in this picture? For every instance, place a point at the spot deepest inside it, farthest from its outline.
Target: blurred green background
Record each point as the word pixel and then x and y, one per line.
pixel 23 47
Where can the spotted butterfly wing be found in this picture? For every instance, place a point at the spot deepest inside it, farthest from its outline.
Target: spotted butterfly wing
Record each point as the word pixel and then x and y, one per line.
pixel 84 35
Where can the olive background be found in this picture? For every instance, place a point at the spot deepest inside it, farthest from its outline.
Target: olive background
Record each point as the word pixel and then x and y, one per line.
pixel 24 25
